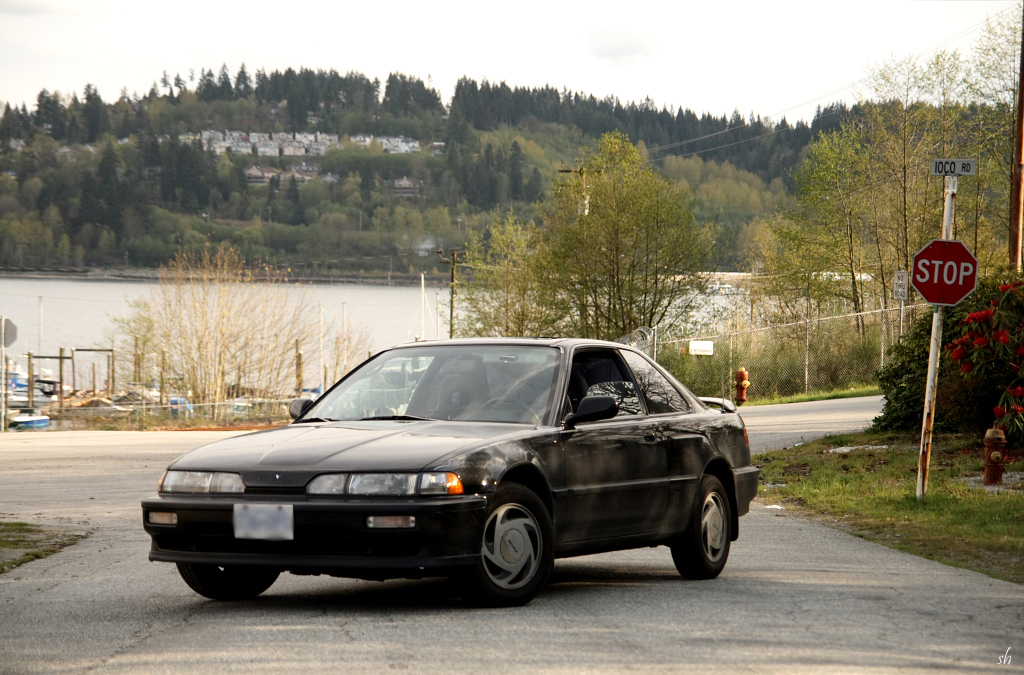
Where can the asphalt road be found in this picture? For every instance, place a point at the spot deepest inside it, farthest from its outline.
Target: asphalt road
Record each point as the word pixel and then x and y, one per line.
pixel 796 597
pixel 772 427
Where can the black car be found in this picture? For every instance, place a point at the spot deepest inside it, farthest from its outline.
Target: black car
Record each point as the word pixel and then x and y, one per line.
pixel 483 460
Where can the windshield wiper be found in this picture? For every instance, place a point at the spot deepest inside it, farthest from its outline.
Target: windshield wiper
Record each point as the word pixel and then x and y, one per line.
pixel 395 417
pixel 312 419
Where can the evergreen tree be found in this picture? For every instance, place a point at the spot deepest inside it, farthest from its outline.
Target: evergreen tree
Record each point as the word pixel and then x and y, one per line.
pixel 207 87
pixel 293 190
pixel 10 126
pixel 534 187
pixel 243 85
pixel 225 91
pixel 94 114
pixel 515 172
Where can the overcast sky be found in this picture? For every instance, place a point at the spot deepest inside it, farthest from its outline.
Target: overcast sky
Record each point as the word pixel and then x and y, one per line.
pixel 770 58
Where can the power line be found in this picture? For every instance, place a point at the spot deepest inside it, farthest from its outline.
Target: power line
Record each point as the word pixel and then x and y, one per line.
pixel 862 80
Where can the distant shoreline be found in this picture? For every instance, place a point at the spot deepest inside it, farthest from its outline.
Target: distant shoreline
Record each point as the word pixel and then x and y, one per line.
pixel 142 274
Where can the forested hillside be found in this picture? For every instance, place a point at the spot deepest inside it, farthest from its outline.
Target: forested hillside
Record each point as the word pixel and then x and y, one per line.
pixel 89 182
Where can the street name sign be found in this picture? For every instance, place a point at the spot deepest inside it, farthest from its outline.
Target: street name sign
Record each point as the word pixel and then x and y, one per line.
pixel 954 167
pixel 945 272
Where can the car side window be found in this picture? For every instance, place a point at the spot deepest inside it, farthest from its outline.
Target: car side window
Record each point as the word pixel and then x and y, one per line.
pixel 660 395
pixel 599 373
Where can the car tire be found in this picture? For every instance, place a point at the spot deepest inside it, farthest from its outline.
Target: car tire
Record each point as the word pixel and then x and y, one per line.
pixel 702 551
pixel 230 582
pixel 516 551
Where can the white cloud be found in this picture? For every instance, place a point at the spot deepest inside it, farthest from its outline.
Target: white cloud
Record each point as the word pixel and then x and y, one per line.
pixel 22 8
pixel 622 47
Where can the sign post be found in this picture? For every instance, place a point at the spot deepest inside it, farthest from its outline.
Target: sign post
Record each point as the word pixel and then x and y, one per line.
pixel 8 334
pixel 944 273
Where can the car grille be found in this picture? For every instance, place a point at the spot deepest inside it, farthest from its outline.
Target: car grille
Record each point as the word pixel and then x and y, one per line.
pixel 311 541
pixel 282 491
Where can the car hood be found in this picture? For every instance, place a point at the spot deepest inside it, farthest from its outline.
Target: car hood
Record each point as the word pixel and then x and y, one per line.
pixel 344 446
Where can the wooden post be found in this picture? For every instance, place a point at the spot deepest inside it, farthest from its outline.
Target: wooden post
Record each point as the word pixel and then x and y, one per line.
pixel 3 374
pixel 94 391
pixel 112 374
pixel 163 370
pixel 60 381
pixel 74 373
pixel 298 370
pixel 451 321
pixel 31 382
pixel 337 357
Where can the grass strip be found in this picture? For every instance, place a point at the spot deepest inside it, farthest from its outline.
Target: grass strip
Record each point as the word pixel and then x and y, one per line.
pixel 869 491
pixel 853 392
pixel 23 542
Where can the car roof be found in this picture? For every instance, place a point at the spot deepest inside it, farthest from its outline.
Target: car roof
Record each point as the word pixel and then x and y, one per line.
pixel 561 342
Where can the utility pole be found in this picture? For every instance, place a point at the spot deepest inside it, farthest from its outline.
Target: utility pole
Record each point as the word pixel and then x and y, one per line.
pixel 453 259
pixel 584 209
pixel 1018 166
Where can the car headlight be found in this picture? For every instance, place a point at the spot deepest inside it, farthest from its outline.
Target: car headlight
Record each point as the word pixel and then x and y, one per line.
pixel 327 484
pixel 440 484
pixel 382 484
pixel 201 481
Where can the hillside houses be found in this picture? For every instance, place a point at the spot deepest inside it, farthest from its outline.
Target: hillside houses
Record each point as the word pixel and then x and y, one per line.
pixel 303 173
pixel 299 144
pixel 263 144
pixel 407 187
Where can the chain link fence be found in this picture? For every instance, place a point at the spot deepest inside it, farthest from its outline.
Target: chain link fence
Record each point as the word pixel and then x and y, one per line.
pixel 177 415
pixel 819 354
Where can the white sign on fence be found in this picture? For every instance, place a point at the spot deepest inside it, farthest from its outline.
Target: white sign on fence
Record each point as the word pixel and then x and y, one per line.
pixel 702 347
pixel 901 285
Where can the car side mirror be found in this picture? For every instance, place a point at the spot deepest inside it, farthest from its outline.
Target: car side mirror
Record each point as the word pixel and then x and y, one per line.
pixel 298 407
pixel 592 409
pixel 725 404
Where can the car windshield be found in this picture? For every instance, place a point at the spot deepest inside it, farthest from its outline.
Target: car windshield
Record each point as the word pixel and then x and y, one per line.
pixel 480 383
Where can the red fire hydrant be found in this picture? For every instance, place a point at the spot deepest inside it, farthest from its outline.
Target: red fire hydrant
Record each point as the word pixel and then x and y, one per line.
pixel 995 459
pixel 742 382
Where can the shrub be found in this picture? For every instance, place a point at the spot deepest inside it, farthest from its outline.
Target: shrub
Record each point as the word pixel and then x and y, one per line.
pixel 963 404
pixel 990 352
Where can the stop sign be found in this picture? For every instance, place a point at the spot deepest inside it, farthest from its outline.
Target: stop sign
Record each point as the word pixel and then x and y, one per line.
pixel 945 272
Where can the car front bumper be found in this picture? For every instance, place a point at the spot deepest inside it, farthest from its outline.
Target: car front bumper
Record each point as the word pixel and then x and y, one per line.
pixel 330 536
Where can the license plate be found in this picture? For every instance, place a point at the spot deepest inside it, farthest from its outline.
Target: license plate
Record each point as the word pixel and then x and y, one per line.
pixel 271 522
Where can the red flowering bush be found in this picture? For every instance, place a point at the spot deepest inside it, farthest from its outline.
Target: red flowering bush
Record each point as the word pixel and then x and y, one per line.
pixel 991 348
pixel 973 380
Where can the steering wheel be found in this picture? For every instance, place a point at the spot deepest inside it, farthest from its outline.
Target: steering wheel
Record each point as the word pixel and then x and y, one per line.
pixel 523 412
